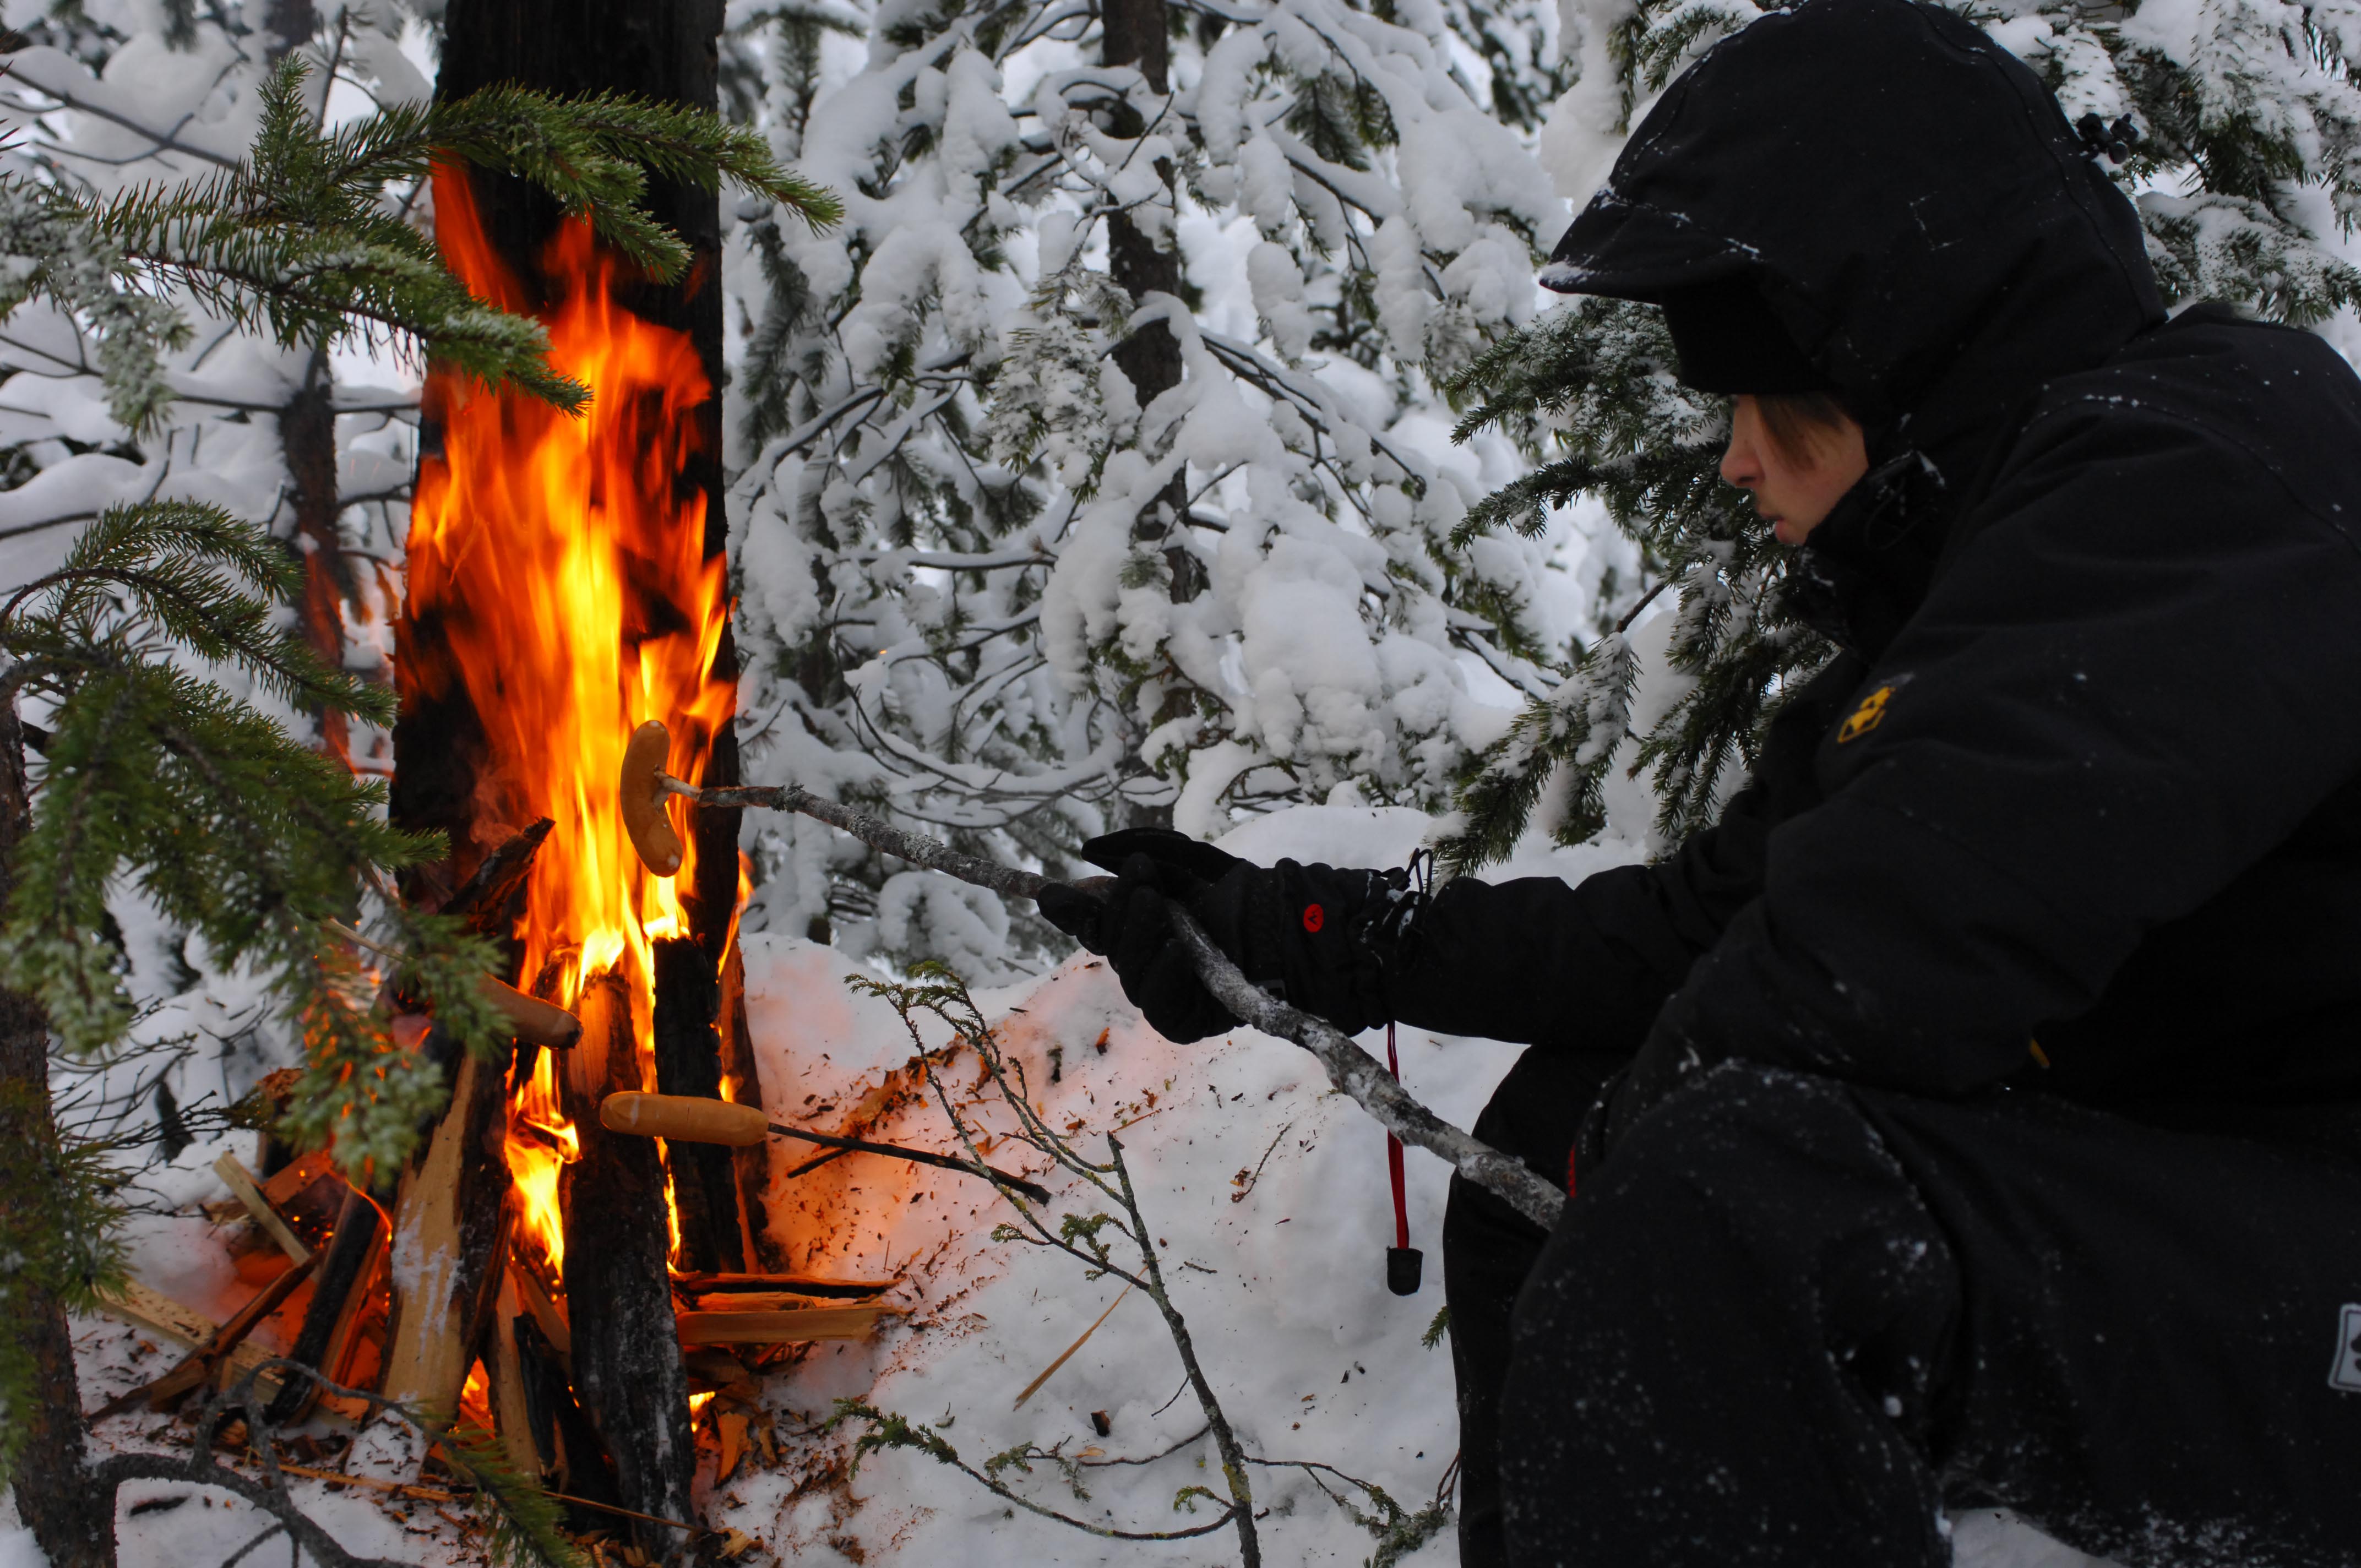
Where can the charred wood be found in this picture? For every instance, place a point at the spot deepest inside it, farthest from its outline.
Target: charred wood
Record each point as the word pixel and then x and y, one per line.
pixel 626 1360
pixel 343 1278
pixel 688 1062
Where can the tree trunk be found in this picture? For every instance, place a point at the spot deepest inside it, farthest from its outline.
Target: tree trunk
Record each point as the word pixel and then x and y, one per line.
pixel 307 444
pixel 73 1520
pixel 1134 34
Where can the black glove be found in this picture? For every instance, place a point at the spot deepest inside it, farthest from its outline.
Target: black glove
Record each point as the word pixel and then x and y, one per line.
pixel 1314 935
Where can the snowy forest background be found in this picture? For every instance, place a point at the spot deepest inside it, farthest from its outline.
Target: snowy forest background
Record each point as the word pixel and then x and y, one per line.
pixel 1373 533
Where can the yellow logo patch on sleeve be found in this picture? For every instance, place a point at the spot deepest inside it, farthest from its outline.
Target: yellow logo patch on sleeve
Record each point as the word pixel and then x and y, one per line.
pixel 1867 716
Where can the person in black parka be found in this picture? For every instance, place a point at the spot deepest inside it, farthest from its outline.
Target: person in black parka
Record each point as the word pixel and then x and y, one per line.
pixel 1974 1115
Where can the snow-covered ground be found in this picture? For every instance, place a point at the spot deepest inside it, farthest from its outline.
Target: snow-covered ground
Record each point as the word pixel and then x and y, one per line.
pixel 1267 1194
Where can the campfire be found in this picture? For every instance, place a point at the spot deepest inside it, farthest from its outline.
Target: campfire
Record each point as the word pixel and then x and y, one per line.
pixel 548 1267
pixel 542 1273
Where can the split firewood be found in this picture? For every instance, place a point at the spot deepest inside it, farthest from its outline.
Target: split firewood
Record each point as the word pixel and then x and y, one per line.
pixel 482 900
pixel 504 1375
pixel 742 1071
pixel 345 1273
pixel 792 1284
pixel 751 1300
pixel 258 1207
pixel 308 1192
pixel 686 1045
pixel 450 1232
pixel 1352 1070
pixel 548 1315
pixel 196 1369
pixel 694 1120
pixel 789 1327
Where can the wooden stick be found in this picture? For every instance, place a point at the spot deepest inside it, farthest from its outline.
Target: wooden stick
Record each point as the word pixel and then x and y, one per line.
pixel 241 1186
pixel 752 1302
pixel 399 1488
pixel 1351 1069
pixel 693 1119
pixel 629 1514
pixel 1067 1354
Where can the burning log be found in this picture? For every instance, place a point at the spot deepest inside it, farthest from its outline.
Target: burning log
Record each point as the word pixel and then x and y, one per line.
pixel 626 1360
pixel 688 1064
pixel 338 1297
pixel 562 1435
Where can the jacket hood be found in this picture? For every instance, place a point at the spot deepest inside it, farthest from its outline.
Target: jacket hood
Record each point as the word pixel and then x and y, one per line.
pixel 1908 198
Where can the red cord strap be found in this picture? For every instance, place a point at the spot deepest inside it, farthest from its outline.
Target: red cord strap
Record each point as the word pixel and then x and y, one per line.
pixel 1394 1155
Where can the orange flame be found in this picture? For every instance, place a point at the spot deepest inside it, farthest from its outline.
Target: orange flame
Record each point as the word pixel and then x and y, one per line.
pixel 566 562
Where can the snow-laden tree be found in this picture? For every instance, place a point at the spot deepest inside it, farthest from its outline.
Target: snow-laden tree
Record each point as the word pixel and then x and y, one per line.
pixel 1092 472
pixel 113 95
pixel 2236 127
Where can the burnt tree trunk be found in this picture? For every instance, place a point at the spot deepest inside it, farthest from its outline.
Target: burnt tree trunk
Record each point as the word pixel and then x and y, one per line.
pixel 625 1360
pixel 666 49
pixel 626 1352
pixel 73 1520
pixel 663 49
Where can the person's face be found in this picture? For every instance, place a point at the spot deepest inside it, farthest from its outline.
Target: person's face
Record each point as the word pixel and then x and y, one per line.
pixel 1795 496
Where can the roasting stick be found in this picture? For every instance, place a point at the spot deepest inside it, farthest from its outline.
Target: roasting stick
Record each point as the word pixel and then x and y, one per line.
pixel 1351 1069
pixel 693 1119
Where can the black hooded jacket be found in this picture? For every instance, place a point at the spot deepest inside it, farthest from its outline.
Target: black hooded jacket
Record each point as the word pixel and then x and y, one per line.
pixel 2088 772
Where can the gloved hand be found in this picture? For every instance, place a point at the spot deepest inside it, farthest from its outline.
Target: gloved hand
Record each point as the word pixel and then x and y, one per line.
pixel 1315 935
pixel 1131 926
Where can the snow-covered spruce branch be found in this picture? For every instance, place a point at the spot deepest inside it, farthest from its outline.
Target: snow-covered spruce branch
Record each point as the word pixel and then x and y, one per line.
pixel 1351 1070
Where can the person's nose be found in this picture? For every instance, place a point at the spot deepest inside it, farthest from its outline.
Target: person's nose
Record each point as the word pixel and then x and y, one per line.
pixel 1739 467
